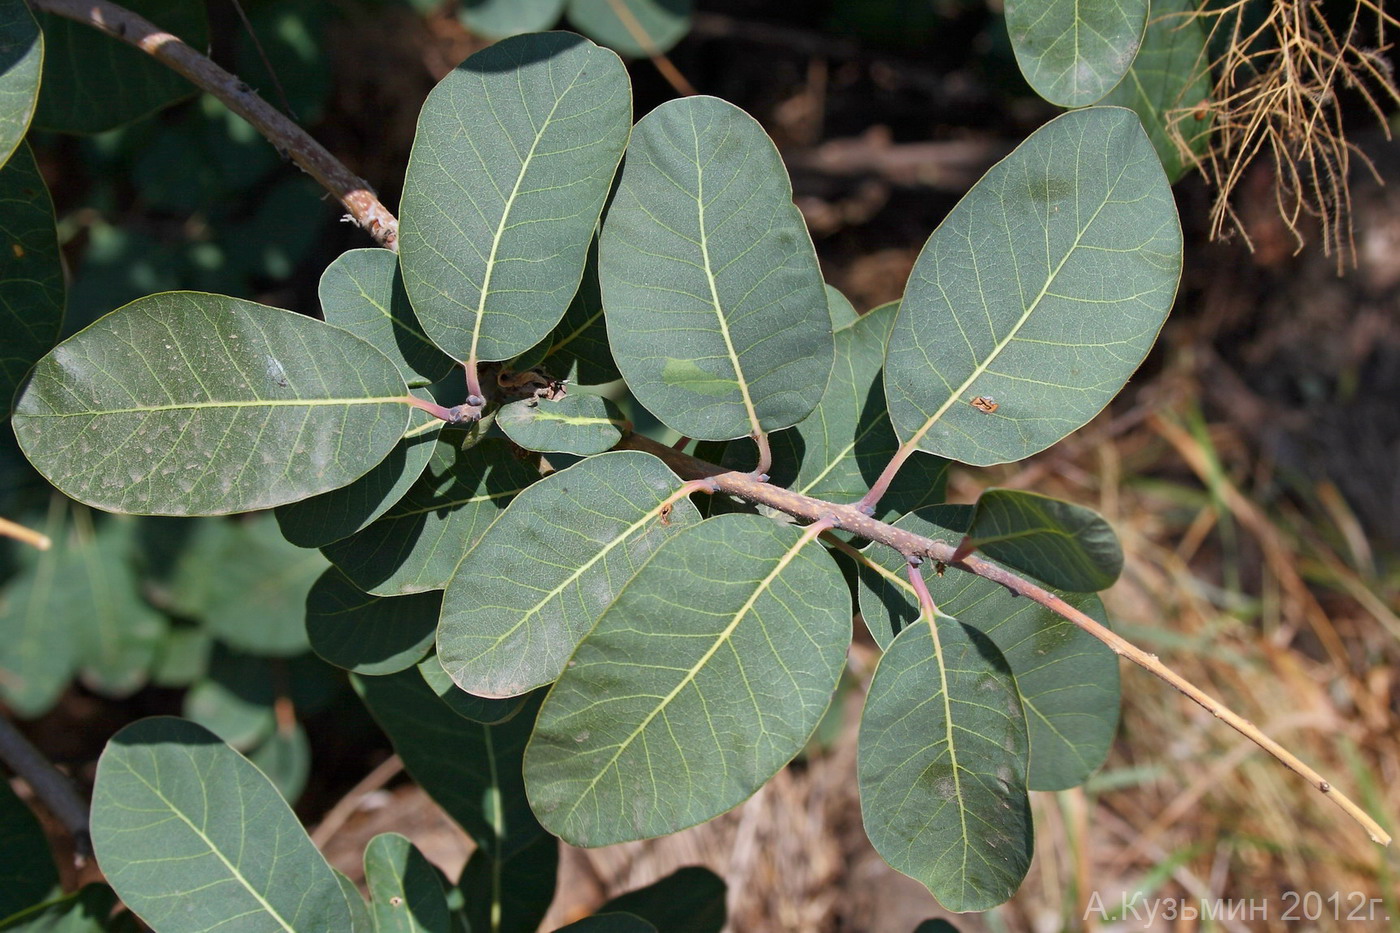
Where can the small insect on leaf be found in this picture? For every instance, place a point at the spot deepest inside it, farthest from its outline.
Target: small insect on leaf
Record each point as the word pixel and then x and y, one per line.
pixel 985 403
pixel 666 513
pixel 395 901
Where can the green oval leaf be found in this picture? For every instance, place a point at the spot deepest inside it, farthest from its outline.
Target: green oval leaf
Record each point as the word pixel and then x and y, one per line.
pixel 500 19
pixel 184 403
pixel 472 770
pixel 515 152
pixel 369 634
pixel 21 57
pixel 1171 74
pixel 715 306
pixel 1038 295
pixel 646 28
pixel 171 829
pixel 419 542
pixel 1066 545
pixel 706 675
pixel 581 425
pixel 362 291
pixel 942 765
pixel 93 82
pixel 285 757
pixel 31 276
pixel 1073 52
pixel 546 570
pixel 27 872
pixel 1067 679
pixel 404 891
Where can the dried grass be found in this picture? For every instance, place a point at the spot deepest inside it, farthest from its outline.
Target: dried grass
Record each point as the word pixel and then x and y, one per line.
pixel 1277 96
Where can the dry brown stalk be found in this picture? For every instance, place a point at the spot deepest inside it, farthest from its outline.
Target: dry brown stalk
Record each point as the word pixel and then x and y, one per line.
pixel 1277 94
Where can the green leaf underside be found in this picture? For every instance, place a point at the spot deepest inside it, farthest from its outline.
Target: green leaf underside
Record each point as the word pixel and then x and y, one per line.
pixel 1073 52
pixel 548 568
pixel 581 425
pixel 1066 545
pixel 85 911
pixel 405 893
pixel 417 544
pixel 31 276
pixel 362 291
pixel 247 584
pixel 689 900
pixel 360 921
pixel 577 349
pixel 340 513
pixel 472 770
pixel 1171 73
pixel 21 57
pixel 38 643
pixel 189 833
pixel 369 634
pixel 522 137
pixel 847 441
pixel 610 923
pixel 716 310
pixel 27 872
pixel 184 403
pixel 942 765
pixel 843 313
pixel 93 82
pixel 1041 291
pixel 661 24
pixel 1068 680
pixel 500 19
pixel 511 894
pixel 712 667
pixel 490 711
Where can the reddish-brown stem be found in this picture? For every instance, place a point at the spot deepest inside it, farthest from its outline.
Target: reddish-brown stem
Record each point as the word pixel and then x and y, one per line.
pixel 916 580
pixel 867 502
pixel 49 784
pixel 765 456
pixel 294 142
pixel 914 547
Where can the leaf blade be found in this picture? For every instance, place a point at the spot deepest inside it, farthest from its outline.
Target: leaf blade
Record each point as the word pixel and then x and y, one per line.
pixel 715 307
pixel 1073 52
pixel 241 399
pixel 741 605
pixel 482 289
pixel 32 295
pixel 1072 248
pixel 199 786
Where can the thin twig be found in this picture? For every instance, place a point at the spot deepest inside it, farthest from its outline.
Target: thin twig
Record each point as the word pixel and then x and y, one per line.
pixel 668 69
pixel 38 539
pixel 852 519
pixel 291 140
pixel 50 785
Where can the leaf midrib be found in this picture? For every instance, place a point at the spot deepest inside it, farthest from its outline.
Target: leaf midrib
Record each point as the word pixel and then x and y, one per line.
pixel 502 224
pixel 192 406
pixel 235 872
pixel 715 302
